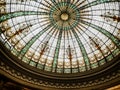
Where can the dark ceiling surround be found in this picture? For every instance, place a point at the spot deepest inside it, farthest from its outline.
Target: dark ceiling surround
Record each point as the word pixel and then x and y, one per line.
pixel 26 75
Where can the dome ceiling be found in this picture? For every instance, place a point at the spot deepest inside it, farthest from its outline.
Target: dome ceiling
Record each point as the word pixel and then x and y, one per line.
pixel 61 36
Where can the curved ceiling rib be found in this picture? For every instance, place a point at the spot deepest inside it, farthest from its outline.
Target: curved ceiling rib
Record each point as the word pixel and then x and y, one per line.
pixel 105 32
pixel 20 13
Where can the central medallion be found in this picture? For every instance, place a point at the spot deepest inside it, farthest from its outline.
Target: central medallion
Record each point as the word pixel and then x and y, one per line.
pixel 64 16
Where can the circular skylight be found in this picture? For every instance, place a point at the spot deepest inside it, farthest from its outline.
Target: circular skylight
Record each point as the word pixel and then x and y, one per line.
pixel 61 36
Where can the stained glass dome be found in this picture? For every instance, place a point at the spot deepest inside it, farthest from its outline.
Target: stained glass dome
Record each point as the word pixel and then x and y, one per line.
pixel 61 36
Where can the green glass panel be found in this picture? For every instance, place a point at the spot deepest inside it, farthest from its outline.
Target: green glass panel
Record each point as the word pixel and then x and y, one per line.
pixel 7 46
pixel 116 52
pixel 14 51
pixel 82 48
pixel 59 70
pixel 55 58
pixel 74 70
pixel 94 65
pixel 32 63
pixel 82 69
pixel 109 57
pixel 40 66
pixel 26 60
pixel 48 68
pixel 102 62
pixel 67 70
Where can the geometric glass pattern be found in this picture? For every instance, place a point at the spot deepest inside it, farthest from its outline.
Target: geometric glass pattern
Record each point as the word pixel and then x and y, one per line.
pixel 61 36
